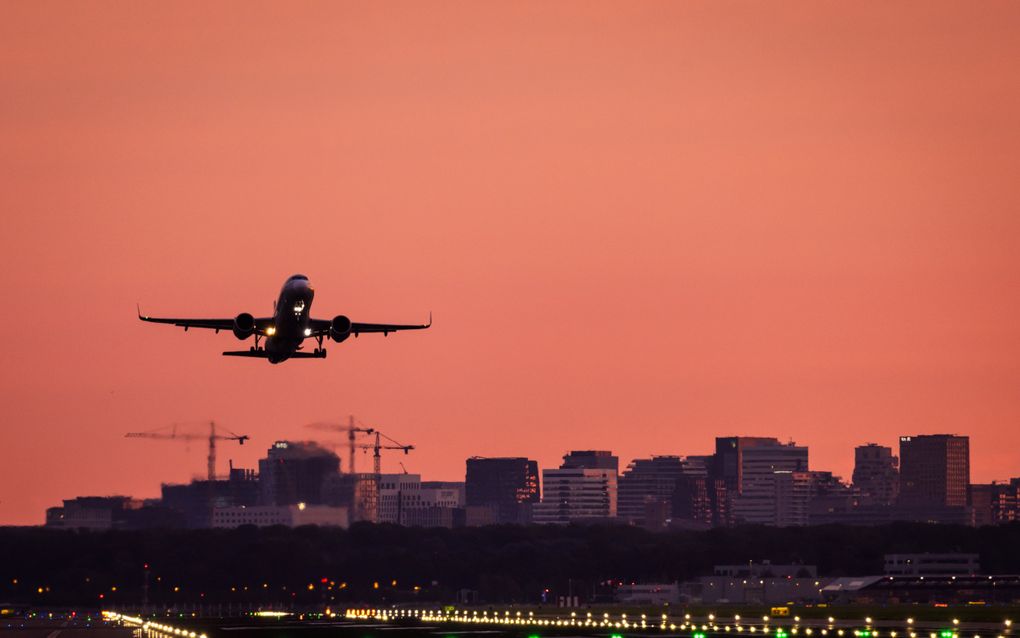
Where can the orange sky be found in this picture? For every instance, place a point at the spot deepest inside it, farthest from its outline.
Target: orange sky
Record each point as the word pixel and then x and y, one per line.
pixel 639 225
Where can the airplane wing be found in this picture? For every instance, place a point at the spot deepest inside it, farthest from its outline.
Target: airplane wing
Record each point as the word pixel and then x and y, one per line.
pixel 320 327
pixel 261 323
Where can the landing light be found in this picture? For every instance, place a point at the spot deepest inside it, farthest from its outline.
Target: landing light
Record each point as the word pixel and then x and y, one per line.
pixel 271 330
pixel 308 332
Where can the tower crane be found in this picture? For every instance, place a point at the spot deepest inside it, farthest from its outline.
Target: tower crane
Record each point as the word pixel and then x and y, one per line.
pixel 162 434
pixel 377 447
pixel 352 432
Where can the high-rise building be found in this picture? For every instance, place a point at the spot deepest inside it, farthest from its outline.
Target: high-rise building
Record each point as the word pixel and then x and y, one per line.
pixel 648 485
pixel 757 489
pixel 876 474
pixel 934 470
pixel 508 486
pixel 295 472
pixel 573 494
pixel 591 460
pixel 728 461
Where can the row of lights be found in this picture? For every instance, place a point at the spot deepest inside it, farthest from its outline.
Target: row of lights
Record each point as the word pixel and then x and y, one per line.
pixel 606 622
pixel 149 626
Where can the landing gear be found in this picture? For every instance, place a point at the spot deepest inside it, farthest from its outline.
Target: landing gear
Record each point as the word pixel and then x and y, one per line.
pixel 255 348
pixel 320 351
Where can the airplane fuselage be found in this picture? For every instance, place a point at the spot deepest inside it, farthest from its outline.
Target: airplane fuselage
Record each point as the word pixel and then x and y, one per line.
pixel 293 308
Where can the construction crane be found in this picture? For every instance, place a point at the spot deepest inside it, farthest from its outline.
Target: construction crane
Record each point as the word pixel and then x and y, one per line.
pixel 162 434
pixel 376 447
pixel 352 432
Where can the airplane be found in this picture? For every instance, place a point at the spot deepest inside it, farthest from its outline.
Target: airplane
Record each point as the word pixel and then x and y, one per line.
pixel 289 326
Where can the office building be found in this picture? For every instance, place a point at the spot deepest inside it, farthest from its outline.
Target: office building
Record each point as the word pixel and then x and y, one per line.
pixel 772 481
pixel 576 494
pixel 508 486
pixel 647 486
pixel 295 472
pixel 728 461
pixel 876 474
pixel 934 470
pixel 793 492
pixel 397 493
pixel 995 503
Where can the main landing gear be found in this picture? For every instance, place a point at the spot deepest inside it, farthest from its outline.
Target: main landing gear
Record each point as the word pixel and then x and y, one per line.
pixel 256 348
pixel 320 351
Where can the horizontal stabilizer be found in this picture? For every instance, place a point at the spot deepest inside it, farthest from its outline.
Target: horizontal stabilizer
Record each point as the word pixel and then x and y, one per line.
pixel 260 354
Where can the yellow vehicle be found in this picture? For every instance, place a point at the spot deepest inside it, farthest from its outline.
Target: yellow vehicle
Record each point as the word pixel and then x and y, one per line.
pixel 780 611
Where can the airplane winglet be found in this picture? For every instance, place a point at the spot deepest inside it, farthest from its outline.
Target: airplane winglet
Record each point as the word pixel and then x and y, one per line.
pixel 139 307
pixel 429 324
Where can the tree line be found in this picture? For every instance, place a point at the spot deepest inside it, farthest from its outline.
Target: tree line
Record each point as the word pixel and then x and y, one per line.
pixel 388 563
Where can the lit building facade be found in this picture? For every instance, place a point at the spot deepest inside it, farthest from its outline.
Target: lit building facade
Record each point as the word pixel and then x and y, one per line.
pixel 576 494
pixel 934 470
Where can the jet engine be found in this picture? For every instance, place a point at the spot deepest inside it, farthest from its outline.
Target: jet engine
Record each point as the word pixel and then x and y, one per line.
pixel 339 328
pixel 244 326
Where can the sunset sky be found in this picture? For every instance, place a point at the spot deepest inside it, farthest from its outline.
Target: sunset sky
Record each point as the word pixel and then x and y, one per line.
pixel 639 226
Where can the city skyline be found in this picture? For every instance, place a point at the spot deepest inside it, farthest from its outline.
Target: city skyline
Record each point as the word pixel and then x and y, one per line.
pixel 755 480
pixel 395 463
pixel 638 226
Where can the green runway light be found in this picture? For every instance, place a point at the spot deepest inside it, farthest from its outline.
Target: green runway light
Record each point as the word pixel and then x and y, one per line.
pixel 698 634
pixel 615 635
